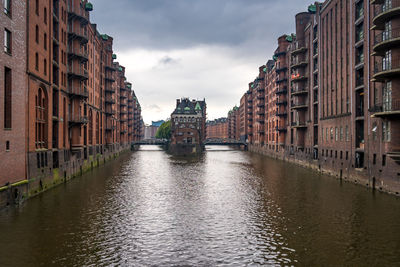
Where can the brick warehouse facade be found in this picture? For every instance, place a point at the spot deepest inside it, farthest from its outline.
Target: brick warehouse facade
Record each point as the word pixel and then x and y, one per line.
pixel 217 128
pixel 329 99
pixel 67 104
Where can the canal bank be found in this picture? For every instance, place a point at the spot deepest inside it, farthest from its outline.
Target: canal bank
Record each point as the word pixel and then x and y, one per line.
pixel 335 166
pixel 49 175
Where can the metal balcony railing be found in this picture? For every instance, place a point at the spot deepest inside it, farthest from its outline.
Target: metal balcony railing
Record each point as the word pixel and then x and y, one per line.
pixel 387 36
pixel 390 5
pixel 387 65
pixel 78 71
pixel 77 119
pixel 78 52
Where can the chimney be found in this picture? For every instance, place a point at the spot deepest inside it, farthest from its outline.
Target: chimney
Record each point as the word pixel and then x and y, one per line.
pixel 178 101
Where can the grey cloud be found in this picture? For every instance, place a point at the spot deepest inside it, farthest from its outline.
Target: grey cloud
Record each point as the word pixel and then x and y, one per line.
pixel 162 24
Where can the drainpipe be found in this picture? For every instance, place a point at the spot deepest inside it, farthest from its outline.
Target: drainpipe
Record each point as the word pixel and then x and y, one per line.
pixel 368 98
pixel 27 120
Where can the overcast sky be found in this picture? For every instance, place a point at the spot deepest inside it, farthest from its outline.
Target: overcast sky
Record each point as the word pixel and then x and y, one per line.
pixel 193 48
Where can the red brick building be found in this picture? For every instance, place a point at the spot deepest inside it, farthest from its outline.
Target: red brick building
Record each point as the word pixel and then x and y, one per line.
pixel 68 106
pixel 188 126
pixel 13 97
pixel 217 128
pixel 330 93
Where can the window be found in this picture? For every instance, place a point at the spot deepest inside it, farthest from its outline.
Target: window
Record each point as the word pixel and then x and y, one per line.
pixel 37 34
pixel 387 97
pixel 41 119
pixel 37 61
pixel 341 133
pixel 7 145
pixel 7 7
pixel 7 98
pixel 387 61
pixel 45 67
pixel 347 134
pixel 336 134
pixel 383 160
pixel 37 7
pixel 331 133
pixel 45 15
pixel 45 41
pixel 7 41
pixel 386 131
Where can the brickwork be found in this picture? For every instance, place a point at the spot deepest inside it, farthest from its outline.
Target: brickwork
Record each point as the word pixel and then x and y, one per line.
pixel 332 92
pixel 72 107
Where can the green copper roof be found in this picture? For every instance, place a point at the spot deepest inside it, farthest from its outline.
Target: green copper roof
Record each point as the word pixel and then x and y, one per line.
pixel 312 9
pixel 105 37
pixel 120 68
pixel 197 107
pixel 89 6
pixel 187 109
pixel 114 56
pixel 289 38
pixel 275 58
pixel 265 70
pixel 129 86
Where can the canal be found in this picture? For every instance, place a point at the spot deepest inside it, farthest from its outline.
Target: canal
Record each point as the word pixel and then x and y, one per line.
pixel 225 208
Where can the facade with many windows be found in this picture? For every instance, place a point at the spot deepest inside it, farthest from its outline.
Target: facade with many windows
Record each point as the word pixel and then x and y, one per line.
pixel 66 105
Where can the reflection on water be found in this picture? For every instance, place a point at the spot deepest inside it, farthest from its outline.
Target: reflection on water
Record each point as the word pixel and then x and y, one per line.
pixel 225 207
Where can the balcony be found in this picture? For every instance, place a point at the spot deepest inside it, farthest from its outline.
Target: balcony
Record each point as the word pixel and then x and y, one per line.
pixel 110 90
pixel 281 129
pixel 78 92
pixel 279 53
pixel 122 104
pixel 299 48
pixel 78 13
pixel 387 109
pixel 281 114
pixel 110 68
pixel 77 119
pixel 79 54
pixel 299 125
pixel 295 64
pixel 261 112
pixel 299 105
pixel 280 69
pixel 281 103
pixel 109 101
pixel 385 12
pixel 281 91
pixel 79 73
pixel 109 113
pixel 110 128
pixel 387 70
pixel 110 78
pixel 299 91
pixel 298 78
pixel 281 80
pixel 78 34
pixel 386 40
pixel 123 96
pixel 394 155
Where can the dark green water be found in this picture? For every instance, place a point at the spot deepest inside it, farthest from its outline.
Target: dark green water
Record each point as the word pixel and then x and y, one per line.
pixel 226 208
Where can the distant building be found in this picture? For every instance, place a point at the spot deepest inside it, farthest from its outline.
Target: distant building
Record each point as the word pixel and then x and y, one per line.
pixel 188 126
pixel 150 131
pixel 157 123
pixel 217 128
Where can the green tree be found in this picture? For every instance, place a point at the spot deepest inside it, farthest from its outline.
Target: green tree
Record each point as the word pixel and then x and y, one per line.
pixel 164 131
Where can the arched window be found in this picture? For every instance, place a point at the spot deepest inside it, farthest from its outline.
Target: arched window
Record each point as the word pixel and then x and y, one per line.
pixel 37 34
pixel 90 127
pixel 41 119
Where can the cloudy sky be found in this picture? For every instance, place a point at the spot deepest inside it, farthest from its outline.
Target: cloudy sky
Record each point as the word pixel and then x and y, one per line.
pixel 193 48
